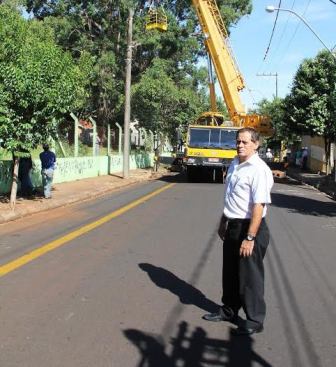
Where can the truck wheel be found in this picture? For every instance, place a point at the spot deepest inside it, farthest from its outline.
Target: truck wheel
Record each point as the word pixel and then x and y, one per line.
pixel 191 174
pixel 219 175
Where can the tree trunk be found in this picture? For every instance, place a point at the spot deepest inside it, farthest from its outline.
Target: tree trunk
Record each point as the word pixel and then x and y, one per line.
pixel 12 201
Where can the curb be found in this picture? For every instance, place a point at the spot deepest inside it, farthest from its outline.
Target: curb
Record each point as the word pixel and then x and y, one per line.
pixel 318 186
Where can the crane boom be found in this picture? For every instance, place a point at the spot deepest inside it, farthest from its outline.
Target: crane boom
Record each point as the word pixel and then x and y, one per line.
pixel 211 141
pixel 218 46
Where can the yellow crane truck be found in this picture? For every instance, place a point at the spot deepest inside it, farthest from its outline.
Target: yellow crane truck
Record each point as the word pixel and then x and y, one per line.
pixel 210 144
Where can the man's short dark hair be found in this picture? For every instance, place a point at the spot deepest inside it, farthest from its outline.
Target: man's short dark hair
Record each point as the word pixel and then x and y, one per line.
pixel 253 132
pixel 45 147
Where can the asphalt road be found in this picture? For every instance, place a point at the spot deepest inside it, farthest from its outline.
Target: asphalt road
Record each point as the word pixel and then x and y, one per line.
pixel 130 291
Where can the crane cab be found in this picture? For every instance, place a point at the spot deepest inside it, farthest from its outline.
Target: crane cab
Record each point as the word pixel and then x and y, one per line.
pixel 156 19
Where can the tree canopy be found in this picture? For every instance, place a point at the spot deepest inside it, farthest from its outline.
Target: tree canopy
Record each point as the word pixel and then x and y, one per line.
pixel 39 82
pixel 99 28
pixel 276 109
pixel 310 107
pixel 160 103
pixel 311 104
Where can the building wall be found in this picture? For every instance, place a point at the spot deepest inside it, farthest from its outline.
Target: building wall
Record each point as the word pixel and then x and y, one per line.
pixel 72 169
pixel 316 153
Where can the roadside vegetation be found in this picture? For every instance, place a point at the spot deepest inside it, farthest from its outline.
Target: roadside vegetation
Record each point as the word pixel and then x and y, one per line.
pixel 310 107
pixel 69 56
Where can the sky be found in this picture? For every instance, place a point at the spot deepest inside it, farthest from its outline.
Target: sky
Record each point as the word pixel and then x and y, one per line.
pixel 292 42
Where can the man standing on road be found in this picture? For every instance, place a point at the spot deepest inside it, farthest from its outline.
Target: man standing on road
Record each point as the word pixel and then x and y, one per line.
pixel 48 162
pixel 245 234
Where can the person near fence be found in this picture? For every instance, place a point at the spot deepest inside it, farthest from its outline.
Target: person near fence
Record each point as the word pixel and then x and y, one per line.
pixel 245 236
pixel 25 166
pixel 48 164
pixel 298 157
pixel 156 158
pixel 304 158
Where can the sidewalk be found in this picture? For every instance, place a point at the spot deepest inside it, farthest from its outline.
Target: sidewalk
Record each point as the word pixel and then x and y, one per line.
pixel 321 182
pixel 70 192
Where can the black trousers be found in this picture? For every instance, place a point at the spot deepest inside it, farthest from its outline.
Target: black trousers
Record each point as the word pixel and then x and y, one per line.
pixel 243 277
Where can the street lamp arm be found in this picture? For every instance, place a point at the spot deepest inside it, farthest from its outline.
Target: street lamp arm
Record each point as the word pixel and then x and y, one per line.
pixel 271 9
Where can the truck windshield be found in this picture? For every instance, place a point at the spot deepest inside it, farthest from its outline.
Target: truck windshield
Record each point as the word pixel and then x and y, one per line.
pixel 212 138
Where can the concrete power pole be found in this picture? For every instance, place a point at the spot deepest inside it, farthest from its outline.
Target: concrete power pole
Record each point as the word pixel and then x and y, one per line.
pixel 128 95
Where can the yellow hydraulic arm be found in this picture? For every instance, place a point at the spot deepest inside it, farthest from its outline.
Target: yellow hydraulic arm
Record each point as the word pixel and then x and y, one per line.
pixel 217 44
pixel 229 77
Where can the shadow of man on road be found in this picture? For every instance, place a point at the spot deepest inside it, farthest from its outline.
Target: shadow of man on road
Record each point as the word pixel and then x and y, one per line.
pixel 194 349
pixel 186 292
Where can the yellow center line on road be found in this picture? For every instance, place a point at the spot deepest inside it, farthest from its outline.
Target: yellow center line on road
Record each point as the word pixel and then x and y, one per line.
pixel 17 263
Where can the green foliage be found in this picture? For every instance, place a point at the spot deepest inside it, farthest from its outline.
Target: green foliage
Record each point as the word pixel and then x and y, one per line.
pixel 99 27
pixel 310 108
pixel 233 10
pixel 311 104
pixel 39 83
pixel 276 110
pixel 160 105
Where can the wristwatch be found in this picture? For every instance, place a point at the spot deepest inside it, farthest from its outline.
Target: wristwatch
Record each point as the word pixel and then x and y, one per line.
pixel 249 237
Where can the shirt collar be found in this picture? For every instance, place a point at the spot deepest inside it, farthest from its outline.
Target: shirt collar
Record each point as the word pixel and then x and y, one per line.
pixel 252 160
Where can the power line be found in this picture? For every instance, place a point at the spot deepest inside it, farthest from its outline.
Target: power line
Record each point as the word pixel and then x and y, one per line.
pixel 298 25
pixel 283 30
pixel 332 1
pixel 275 22
pixel 294 33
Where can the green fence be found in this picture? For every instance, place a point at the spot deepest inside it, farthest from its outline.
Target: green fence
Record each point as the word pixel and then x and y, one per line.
pixel 72 169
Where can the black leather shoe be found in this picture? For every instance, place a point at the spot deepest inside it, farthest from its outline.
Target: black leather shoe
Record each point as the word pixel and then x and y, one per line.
pixel 247 331
pixel 219 316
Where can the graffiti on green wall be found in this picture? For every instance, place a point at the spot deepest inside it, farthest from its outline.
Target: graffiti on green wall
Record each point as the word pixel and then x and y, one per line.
pixel 75 168
pixel 5 175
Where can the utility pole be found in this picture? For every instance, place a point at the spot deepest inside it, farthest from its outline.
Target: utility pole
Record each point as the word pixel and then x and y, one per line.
pixel 128 95
pixel 276 81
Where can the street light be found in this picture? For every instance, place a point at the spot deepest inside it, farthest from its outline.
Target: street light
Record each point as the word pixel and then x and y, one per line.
pixel 271 9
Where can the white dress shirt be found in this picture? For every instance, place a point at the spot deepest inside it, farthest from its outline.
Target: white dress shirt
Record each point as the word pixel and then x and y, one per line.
pixel 247 183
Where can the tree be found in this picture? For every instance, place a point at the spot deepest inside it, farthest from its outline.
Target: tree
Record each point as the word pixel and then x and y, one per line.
pixel 99 27
pixel 39 84
pixel 276 110
pixel 311 105
pixel 160 105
